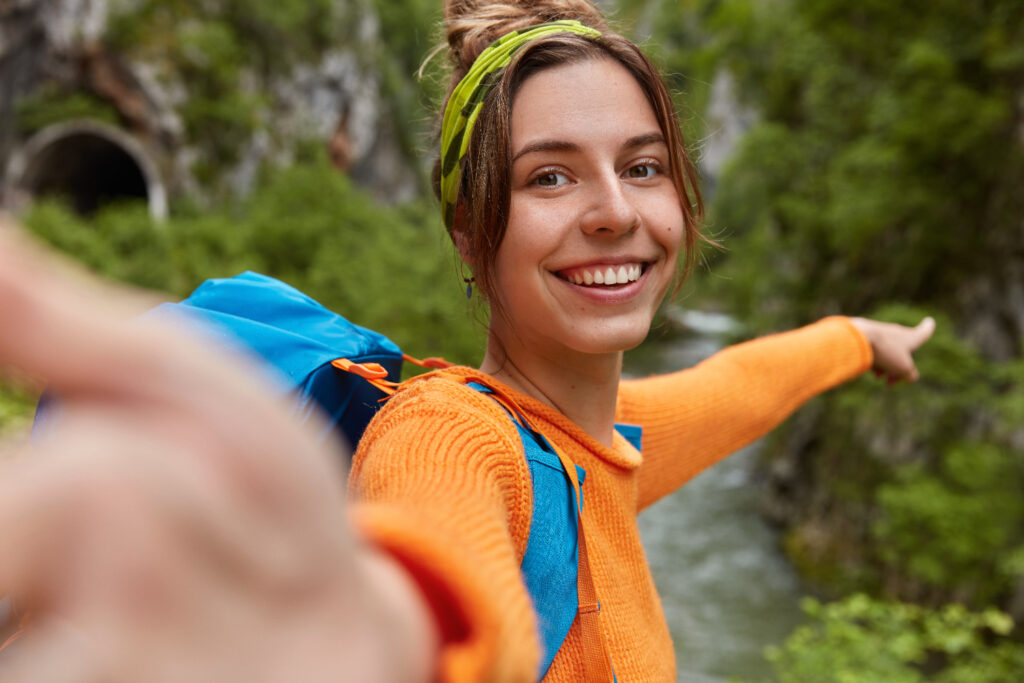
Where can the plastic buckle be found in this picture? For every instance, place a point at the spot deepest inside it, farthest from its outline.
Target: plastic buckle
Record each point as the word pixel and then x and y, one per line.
pixel 364 370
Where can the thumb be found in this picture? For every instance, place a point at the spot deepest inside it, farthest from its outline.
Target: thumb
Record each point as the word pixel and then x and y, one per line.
pixel 916 337
pixel 921 333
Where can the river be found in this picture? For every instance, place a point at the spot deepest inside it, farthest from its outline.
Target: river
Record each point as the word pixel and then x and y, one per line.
pixel 727 589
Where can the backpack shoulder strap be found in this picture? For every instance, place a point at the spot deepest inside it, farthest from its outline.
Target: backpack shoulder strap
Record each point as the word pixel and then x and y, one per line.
pixel 556 568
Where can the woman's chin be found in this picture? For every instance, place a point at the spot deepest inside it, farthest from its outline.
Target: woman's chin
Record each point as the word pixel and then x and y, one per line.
pixel 613 340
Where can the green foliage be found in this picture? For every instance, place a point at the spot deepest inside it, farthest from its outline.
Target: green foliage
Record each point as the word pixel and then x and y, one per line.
pixel 924 480
pixel 49 106
pixel 410 30
pixel 678 36
pixel 121 242
pixel 884 162
pixel 945 528
pixel 860 640
pixel 227 53
pixel 225 34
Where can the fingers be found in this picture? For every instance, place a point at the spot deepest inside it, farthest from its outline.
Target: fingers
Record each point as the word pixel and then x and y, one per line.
pixel 893 346
pixel 59 324
pixel 78 335
pixel 909 374
pixel 106 496
pixel 53 652
pixel 905 341
pixel 121 560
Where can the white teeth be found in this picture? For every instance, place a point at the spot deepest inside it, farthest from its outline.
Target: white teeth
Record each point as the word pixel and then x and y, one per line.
pixel 609 276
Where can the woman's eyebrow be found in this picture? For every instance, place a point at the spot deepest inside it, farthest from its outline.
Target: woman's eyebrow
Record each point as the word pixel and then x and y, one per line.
pixel 651 138
pixel 654 137
pixel 547 146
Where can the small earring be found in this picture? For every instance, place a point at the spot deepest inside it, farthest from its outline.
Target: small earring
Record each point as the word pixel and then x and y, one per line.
pixel 469 286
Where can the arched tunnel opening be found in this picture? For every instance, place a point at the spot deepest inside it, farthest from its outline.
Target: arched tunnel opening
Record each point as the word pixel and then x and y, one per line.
pixel 86 171
pixel 88 166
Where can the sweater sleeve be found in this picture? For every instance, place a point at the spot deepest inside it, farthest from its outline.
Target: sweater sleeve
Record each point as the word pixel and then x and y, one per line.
pixel 695 417
pixel 439 483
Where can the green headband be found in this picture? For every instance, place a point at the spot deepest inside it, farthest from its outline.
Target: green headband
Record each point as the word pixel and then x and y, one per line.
pixel 468 97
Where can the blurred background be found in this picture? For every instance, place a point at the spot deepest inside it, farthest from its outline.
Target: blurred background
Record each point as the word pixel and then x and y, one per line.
pixel 858 157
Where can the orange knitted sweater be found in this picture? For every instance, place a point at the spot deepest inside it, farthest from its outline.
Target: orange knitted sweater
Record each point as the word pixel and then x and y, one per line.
pixel 440 482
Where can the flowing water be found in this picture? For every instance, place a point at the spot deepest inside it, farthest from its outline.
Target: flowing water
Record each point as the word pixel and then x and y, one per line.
pixel 727 589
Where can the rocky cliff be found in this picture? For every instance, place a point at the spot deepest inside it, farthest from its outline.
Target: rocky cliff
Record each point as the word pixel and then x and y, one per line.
pixel 100 99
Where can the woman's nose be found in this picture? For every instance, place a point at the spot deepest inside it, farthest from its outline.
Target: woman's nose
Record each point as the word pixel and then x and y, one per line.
pixel 610 210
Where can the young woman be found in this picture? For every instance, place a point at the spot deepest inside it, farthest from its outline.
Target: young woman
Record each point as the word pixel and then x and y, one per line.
pixel 575 203
pixel 178 527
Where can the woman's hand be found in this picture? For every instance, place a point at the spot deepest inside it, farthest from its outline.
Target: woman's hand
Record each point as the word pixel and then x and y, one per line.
pixel 175 524
pixel 894 345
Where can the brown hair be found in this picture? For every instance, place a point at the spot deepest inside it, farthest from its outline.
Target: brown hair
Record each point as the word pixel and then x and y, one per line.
pixel 484 193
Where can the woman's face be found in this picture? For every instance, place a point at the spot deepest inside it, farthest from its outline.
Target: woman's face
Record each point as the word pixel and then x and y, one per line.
pixel 595 222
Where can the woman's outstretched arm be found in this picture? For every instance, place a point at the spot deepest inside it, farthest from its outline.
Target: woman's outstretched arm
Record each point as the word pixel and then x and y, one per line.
pixel 695 417
pixel 175 524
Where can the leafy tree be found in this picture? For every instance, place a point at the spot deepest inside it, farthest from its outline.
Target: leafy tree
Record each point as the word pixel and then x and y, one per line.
pixel 887 162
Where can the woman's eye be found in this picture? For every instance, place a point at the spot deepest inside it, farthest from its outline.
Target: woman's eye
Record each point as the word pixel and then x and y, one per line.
pixel 550 179
pixel 642 171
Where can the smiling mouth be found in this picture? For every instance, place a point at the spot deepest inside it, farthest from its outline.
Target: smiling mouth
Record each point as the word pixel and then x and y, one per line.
pixel 604 276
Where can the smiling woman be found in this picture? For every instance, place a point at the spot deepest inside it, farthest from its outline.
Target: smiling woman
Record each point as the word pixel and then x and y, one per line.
pixel 566 187
pixel 181 527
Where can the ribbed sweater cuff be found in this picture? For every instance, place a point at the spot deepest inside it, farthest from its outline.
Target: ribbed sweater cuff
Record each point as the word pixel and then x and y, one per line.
pixel 866 355
pixel 464 611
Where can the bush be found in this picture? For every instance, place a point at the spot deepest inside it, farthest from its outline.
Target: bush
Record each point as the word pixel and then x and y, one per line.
pixel 860 640
pixel 922 480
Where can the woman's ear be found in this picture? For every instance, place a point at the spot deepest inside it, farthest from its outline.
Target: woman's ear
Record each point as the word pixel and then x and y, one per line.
pixel 459 235
pixel 462 244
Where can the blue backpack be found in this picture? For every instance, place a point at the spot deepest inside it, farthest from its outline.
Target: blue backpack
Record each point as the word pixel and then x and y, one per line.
pixel 344 370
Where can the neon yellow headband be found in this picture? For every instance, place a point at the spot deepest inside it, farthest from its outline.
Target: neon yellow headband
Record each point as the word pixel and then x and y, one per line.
pixel 468 97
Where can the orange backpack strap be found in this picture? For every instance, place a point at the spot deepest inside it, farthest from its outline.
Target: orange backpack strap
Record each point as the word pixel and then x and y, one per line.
pixel 433 362
pixel 596 663
pixel 377 375
pixel 597 666
pixel 374 373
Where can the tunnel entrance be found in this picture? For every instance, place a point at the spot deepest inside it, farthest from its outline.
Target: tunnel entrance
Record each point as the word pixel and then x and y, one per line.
pixel 88 165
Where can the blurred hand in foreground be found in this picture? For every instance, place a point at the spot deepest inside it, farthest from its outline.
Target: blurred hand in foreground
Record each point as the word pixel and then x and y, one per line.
pixel 176 525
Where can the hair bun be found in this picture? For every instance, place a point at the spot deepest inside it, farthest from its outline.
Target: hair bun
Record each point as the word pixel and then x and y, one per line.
pixel 472 25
